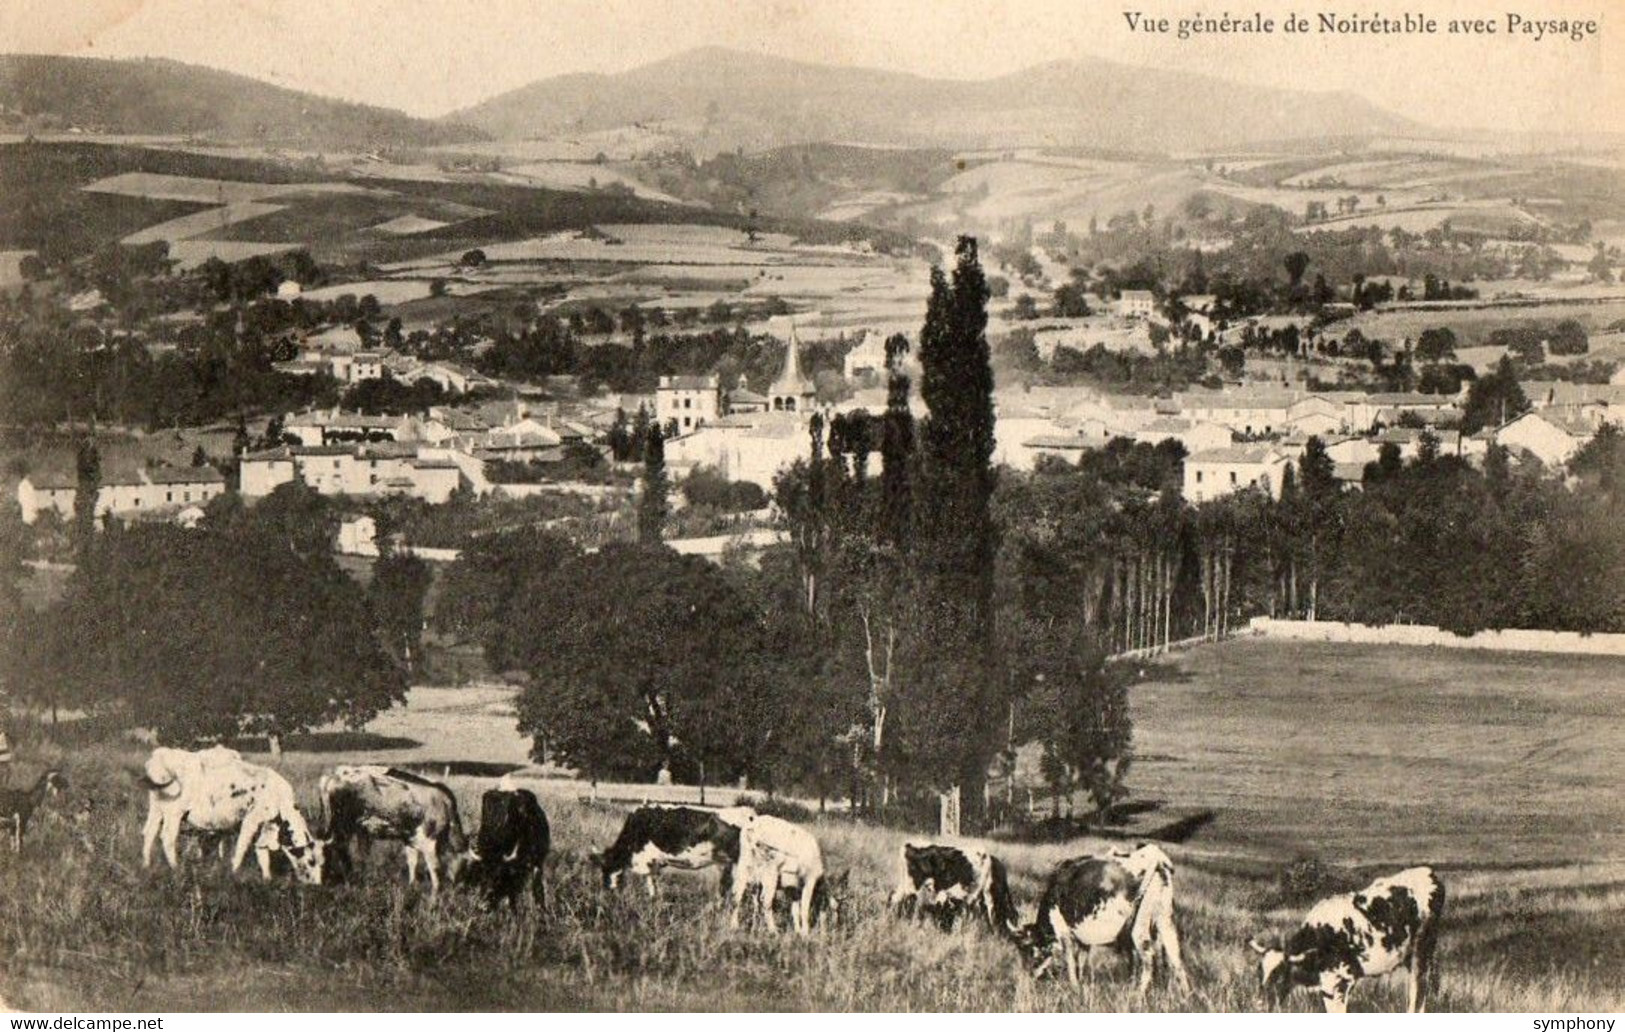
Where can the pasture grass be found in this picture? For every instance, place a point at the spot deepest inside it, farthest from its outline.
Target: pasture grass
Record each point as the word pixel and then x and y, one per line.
pixel 84 927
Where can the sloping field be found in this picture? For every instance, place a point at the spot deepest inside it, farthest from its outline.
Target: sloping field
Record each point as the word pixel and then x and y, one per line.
pixel 198 223
pixel 1389 755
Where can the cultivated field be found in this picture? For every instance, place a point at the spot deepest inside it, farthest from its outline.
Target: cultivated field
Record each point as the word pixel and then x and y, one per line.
pixel 1449 741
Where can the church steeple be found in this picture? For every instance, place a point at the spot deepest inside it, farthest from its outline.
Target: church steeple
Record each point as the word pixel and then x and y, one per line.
pixel 791 392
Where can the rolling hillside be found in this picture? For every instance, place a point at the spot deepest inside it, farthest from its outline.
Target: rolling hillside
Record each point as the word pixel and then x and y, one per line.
pixel 720 99
pixel 170 98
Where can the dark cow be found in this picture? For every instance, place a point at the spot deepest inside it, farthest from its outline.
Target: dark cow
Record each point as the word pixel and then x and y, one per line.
pixel 684 837
pixel 1123 898
pixel 1389 924
pixel 946 883
pixel 511 849
pixel 368 802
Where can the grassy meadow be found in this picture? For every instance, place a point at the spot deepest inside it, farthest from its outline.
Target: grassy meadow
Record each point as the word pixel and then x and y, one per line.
pixel 1273 737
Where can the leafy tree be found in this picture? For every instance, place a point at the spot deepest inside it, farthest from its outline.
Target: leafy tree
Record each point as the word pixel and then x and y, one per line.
pixel 482 587
pixel 400 582
pixel 1297 263
pixel 642 659
pixel 1436 344
pixel 219 631
pixel 1494 399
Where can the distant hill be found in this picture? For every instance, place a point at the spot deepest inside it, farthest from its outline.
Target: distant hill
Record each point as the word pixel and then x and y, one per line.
pixel 719 99
pixel 160 97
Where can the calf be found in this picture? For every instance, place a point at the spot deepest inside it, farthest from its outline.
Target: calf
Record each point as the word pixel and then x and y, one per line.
pixel 217 791
pixel 1389 924
pixel 946 883
pixel 683 837
pixel 773 855
pixel 17 806
pixel 512 846
pixel 1126 896
pixel 370 802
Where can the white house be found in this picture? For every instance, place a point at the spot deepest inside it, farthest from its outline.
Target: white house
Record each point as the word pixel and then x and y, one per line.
pixel 317 428
pixel 1196 437
pixel 365 470
pixel 749 447
pixel 688 401
pixel 1550 435
pixel 47 492
pixel 1254 413
pixel 1221 471
pixel 1136 304
pixel 867 359
pixel 166 490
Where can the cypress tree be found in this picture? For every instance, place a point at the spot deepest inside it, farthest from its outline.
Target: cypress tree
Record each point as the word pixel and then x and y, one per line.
pixel 656 488
pixel 896 448
pixel 958 693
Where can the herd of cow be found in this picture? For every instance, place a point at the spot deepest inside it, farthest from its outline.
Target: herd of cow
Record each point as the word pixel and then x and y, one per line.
pixel 1123 899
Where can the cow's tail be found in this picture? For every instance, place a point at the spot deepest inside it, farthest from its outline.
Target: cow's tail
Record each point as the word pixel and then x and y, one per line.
pixel 1001 905
pixel 456 838
pixel 155 774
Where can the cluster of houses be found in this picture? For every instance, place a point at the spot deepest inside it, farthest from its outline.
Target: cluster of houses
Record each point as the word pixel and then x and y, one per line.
pixel 340 353
pixel 174 493
pixel 1234 438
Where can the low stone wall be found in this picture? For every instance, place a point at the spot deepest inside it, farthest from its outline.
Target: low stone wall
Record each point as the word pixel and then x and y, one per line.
pixel 1566 642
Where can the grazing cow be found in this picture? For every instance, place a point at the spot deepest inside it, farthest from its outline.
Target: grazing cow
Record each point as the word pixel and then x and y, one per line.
pixel 948 882
pixel 683 837
pixel 1094 901
pixel 1389 924
pixel 776 855
pixel 368 802
pixel 18 805
pixel 215 791
pixel 512 846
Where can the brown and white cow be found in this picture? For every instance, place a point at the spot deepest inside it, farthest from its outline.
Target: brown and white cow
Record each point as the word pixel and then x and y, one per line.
pixel 216 791
pixel 1390 924
pixel 1125 897
pixel 375 802
pixel 776 855
pixel 947 882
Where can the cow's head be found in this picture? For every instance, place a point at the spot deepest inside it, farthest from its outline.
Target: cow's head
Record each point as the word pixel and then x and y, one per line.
pixel 53 782
pixel 830 899
pixel 1278 970
pixel 611 873
pixel 1036 948
pixel 306 853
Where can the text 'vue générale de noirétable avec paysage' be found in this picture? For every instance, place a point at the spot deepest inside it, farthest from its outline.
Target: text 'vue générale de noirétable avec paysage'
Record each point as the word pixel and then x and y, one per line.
pixel 1331 23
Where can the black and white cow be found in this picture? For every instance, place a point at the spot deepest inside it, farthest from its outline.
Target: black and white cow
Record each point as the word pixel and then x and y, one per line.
pixel 1389 924
pixel 1124 898
pixel 776 856
pixel 683 837
pixel 946 883
pixel 368 802
pixel 511 848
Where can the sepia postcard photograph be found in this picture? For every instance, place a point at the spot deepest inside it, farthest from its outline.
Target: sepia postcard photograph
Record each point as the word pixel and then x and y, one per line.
pixel 838 506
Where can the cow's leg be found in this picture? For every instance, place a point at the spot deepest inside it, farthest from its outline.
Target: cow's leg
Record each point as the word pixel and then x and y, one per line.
pixel 248 834
pixel 431 860
pixel 1167 936
pixel 741 888
pixel 170 838
pixel 411 863
pixel 1334 990
pixel 1421 969
pixel 1073 960
pixel 149 833
pixel 808 889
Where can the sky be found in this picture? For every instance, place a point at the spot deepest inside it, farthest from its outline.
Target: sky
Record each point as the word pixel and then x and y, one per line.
pixel 430 57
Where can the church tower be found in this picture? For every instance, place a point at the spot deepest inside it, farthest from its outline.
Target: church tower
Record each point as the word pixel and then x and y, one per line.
pixel 792 392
